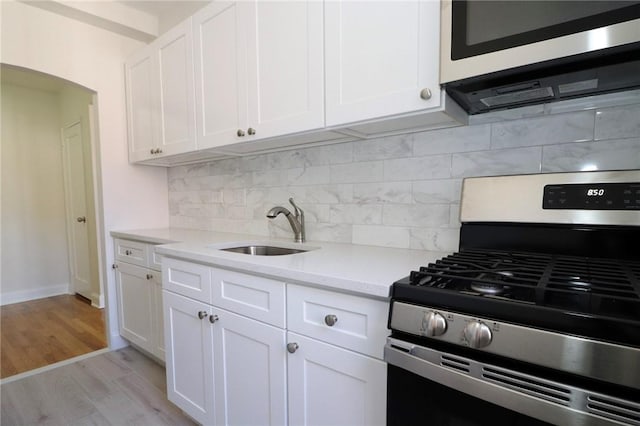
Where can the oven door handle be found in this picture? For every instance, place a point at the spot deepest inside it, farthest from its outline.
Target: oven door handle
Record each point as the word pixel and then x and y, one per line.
pixel 457 373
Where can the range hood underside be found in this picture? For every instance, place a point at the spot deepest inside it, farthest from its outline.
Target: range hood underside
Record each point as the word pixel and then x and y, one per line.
pixel 606 71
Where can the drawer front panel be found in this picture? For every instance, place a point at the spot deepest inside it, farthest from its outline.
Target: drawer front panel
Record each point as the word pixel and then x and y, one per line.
pixel 353 322
pixel 255 297
pixel 186 278
pixel 133 252
pixel 155 259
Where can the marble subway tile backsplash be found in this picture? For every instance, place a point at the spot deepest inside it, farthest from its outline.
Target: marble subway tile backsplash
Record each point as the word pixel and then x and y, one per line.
pixel 402 191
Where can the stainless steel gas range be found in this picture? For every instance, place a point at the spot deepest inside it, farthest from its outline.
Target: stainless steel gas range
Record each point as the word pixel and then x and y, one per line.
pixel 536 319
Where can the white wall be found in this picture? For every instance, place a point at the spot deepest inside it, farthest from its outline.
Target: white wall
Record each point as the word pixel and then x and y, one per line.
pixel 34 241
pixel 130 196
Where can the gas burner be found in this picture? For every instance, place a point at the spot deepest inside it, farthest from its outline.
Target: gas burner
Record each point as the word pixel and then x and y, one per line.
pixel 492 289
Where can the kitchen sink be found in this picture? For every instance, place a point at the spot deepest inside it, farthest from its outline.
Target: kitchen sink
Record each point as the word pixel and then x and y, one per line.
pixel 264 250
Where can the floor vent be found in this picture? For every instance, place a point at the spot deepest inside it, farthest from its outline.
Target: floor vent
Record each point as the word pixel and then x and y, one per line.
pixel 614 409
pixel 455 363
pixel 529 385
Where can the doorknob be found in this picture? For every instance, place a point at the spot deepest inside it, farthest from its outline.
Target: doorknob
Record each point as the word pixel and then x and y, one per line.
pixel 81 219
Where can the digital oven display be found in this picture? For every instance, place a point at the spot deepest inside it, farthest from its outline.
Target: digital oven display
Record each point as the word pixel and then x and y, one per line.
pixel 592 196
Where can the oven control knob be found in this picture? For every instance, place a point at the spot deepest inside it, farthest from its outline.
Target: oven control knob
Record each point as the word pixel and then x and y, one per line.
pixel 433 324
pixel 477 334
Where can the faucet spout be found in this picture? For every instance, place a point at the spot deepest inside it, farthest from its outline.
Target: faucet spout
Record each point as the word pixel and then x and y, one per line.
pixel 295 220
pixel 275 211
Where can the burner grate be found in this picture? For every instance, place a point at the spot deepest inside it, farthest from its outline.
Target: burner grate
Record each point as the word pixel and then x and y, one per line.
pixel 580 284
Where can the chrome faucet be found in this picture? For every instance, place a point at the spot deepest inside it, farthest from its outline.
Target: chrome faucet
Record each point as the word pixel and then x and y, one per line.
pixel 296 220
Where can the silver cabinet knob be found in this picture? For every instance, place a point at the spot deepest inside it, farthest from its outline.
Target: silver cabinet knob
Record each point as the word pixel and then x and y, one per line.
pixel 330 320
pixel 81 219
pixel 477 334
pixel 149 276
pixel 251 131
pixel 158 151
pixel 433 324
pixel 240 133
pixel 127 252
pixel 202 314
pixel 152 151
pixel 213 318
pixel 425 94
pixel 292 347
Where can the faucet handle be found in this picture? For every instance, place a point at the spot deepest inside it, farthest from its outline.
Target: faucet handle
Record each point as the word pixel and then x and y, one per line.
pixel 297 210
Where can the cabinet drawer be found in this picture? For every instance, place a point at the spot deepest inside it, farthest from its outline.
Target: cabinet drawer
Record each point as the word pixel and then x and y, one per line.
pixel 154 260
pixel 255 297
pixel 358 323
pixel 132 252
pixel 186 278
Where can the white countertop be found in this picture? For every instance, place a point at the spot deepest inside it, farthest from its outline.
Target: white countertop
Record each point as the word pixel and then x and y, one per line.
pixel 364 270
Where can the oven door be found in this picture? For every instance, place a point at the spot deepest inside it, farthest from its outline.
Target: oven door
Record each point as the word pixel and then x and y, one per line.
pixel 427 386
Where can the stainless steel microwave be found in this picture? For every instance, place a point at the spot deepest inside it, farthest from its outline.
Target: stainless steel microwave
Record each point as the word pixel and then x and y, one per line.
pixel 497 54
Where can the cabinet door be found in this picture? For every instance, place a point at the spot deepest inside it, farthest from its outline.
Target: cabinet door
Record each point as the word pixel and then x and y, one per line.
pixel 176 123
pixel 284 65
pixel 379 56
pixel 250 371
pixel 158 316
pixel 189 357
pixel 328 385
pixel 141 85
pixel 220 73
pixel 135 299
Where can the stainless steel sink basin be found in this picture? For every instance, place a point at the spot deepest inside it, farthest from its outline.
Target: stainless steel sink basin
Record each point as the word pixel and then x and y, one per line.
pixel 264 250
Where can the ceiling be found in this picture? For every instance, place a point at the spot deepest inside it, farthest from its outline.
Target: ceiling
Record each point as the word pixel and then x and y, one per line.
pixel 168 12
pixel 139 19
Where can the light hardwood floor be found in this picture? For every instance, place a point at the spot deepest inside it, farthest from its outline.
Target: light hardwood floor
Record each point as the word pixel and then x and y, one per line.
pixel 45 331
pixel 116 388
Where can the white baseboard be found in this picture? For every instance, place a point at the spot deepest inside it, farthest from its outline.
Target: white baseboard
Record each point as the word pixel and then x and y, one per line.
pixel 97 300
pixel 11 297
pixel 117 342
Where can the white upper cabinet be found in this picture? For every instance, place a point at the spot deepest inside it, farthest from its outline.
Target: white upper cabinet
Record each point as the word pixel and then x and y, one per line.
pixel 219 69
pixel 251 76
pixel 177 105
pixel 160 97
pixel 381 58
pixel 259 70
pixel 285 66
pixel 141 104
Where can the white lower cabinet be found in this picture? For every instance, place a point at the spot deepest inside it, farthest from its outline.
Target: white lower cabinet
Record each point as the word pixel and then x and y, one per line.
pixel 135 311
pixel 249 370
pixel 139 295
pixel 245 368
pixel 224 368
pixel 189 356
pixel 329 385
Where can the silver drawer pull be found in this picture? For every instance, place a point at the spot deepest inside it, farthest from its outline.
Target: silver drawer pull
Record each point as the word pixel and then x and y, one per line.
pixel 213 318
pixel 202 314
pixel 330 320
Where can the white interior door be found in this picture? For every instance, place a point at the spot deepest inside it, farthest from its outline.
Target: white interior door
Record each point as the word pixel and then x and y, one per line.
pixel 76 210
